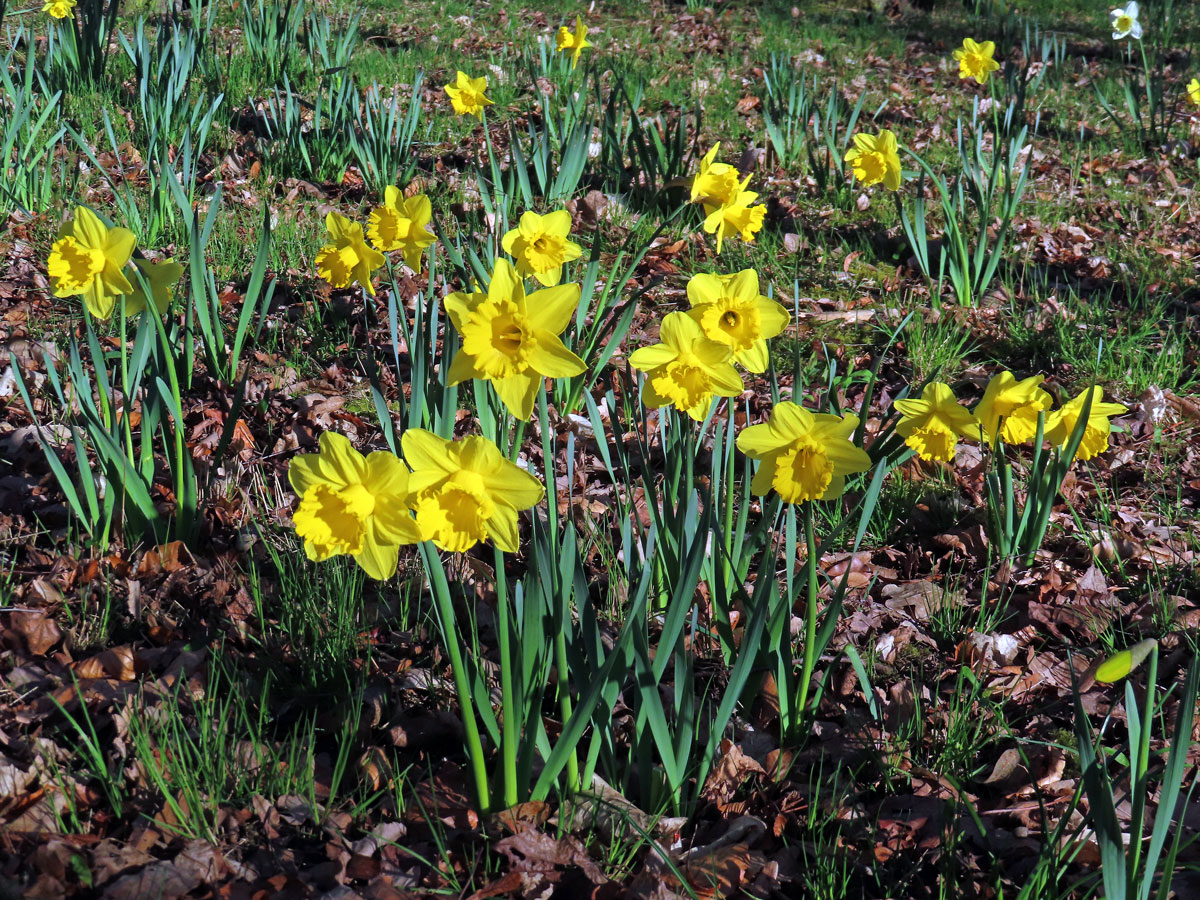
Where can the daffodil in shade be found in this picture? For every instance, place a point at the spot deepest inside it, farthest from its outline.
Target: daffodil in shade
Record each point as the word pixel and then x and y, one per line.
pixel 731 311
pixel 1124 21
pixel 875 159
pixel 803 455
pixel 467 95
pixel 933 424
pixel 88 260
pixel 161 277
pixel 59 9
pixel 1010 408
pixel 402 224
pixel 976 60
pixel 465 492
pixel 716 184
pixel 738 217
pixel 353 505
pixel 541 244
pixel 512 340
pixel 573 43
pixel 347 258
pixel 1061 423
pixel 1193 91
pixel 686 370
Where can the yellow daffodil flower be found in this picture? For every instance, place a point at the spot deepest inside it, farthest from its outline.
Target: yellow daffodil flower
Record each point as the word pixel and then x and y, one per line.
pixel 716 184
pixel 1193 91
pixel 573 43
pixel 687 369
pixel 59 9
pixel 467 95
pixel 803 455
pixel 402 224
pixel 88 260
pixel 933 424
pixel 976 60
pixel 1124 21
pixel 875 159
pixel 512 340
pixel 738 217
pixel 731 311
pixel 162 277
pixel 540 245
pixel 1012 407
pixel 347 259
pixel 1060 424
pixel 465 492
pixel 351 504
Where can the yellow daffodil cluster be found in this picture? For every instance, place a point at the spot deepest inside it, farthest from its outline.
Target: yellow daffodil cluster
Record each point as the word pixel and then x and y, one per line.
pixel 399 224
pixel 573 43
pixel 728 205
pixel 729 322
pixel 457 494
pixel 1008 413
pixel 91 260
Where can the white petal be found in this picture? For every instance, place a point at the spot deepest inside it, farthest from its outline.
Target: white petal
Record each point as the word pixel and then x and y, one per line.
pixel 1137 30
pixel 1131 9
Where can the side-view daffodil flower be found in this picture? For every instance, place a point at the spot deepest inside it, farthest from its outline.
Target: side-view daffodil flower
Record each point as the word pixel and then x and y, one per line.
pixel 88 260
pixel 716 184
pixel 731 311
pixel 1010 408
pixel 465 492
pixel 803 455
pixel 573 43
pixel 933 424
pixel 161 277
pixel 59 9
pixel 876 159
pixel 1124 21
pixel 467 95
pixel 976 60
pixel 347 258
pixel 402 224
pixel 1061 423
pixel 686 370
pixel 541 244
pixel 512 340
pixel 351 504
pixel 1193 91
pixel 738 217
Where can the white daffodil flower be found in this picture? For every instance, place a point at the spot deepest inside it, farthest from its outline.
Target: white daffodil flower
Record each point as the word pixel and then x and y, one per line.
pixel 1125 22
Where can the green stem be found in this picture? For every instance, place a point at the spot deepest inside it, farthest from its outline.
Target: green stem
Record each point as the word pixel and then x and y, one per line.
pixel 445 609
pixel 810 612
pixel 125 387
pixel 510 733
pixel 562 609
pixel 183 497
